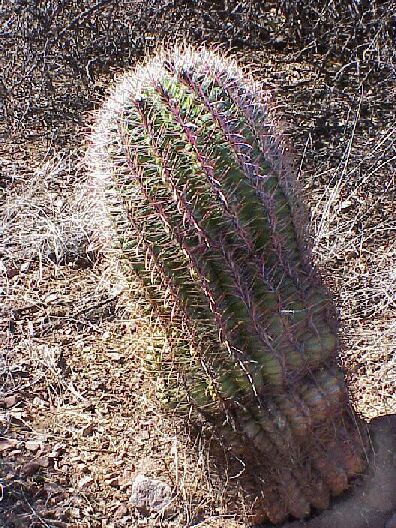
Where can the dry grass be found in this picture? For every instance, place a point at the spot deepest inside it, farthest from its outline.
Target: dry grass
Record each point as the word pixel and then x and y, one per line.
pixel 41 223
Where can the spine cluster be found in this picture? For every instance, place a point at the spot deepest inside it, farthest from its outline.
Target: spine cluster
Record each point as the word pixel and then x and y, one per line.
pixel 200 191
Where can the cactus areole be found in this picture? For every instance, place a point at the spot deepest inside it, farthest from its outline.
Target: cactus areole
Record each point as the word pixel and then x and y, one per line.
pixel 195 177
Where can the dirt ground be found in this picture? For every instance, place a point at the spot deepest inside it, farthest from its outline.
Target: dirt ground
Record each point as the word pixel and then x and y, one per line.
pixel 78 413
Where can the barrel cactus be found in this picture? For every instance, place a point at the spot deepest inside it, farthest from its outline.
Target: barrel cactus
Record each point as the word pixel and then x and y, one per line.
pixel 196 179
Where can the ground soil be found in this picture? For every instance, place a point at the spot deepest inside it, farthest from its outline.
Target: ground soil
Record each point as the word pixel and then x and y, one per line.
pixel 79 416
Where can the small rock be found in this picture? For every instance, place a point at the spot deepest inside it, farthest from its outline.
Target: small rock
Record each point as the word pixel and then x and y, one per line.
pixel 115 356
pixel 121 512
pixel 88 430
pixel 150 495
pixel 33 446
pixel 10 401
pixel 15 454
pixel 25 266
pixel 85 482
pixel 346 205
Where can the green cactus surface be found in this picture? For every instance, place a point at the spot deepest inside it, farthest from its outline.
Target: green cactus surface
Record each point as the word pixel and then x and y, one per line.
pixel 196 178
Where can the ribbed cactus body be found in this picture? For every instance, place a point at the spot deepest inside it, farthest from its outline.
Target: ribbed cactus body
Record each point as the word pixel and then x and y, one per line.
pixel 196 180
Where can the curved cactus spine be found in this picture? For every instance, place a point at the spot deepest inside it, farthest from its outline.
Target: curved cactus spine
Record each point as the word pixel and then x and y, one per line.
pixel 188 162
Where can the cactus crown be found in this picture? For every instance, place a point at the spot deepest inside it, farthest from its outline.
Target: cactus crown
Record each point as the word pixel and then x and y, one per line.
pixel 197 181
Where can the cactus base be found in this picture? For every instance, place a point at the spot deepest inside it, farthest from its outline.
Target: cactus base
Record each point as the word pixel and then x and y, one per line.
pixel 371 501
